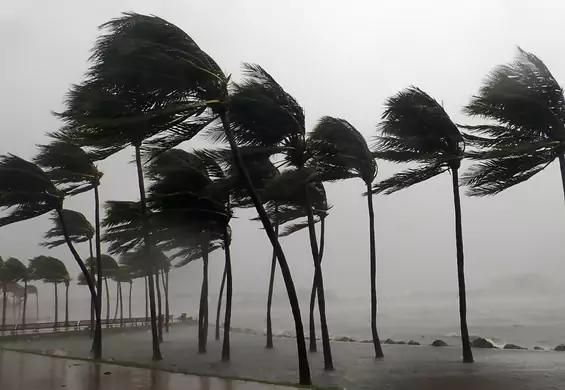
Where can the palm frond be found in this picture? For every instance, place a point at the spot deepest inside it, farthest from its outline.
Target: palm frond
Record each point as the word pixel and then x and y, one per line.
pixel 78 227
pixel 407 178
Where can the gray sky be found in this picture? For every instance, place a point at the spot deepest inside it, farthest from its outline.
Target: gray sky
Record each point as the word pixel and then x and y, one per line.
pixel 339 58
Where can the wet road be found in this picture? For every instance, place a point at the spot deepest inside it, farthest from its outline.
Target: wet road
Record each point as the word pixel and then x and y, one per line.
pixel 23 371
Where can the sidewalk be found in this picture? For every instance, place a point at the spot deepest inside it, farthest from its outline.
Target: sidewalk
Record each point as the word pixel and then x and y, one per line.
pixel 23 371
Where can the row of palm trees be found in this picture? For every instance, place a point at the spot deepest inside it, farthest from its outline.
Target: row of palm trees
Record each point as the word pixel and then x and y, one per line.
pixel 151 87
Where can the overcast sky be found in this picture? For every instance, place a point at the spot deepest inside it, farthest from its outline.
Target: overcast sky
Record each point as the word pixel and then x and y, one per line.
pixel 338 58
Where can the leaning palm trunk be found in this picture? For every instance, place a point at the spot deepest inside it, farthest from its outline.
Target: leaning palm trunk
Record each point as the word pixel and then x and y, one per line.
pixel 303 366
pixel 313 347
pixel 94 297
pixel 373 260
pixel 25 305
pixel 203 310
pixel 117 301
pixel 219 307
pixel 328 362
pixel 97 343
pixel 271 287
pixel 159 306
pixel 229 292
pixel 107 302
pixel 165 278
pixel 147 245
pixel 121 305
pixel 467 353
pixel 92 331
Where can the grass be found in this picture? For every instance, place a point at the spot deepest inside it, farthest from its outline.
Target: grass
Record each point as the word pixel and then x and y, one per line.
pixel 155 366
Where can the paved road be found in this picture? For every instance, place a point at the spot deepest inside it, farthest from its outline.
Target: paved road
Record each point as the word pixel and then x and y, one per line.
pixel 23 371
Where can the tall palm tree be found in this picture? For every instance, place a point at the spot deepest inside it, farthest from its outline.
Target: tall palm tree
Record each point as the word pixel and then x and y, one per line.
pixel 342 148
pixel 122 275
pixel 525 109
pixel 15 271
pixel 75 172
pixel 26 191
pixel 416 128
pixel 173 80
pixel 50 270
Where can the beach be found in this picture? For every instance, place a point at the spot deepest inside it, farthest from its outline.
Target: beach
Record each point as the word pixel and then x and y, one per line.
pixel 404 367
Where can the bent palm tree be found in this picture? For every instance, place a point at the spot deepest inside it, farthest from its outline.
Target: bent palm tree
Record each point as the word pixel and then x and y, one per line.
pixel 341 147
pixel 109 267
pixel 415 128
pixel 172 81
pixel 14 271
pixel 525 107
pixel 27 192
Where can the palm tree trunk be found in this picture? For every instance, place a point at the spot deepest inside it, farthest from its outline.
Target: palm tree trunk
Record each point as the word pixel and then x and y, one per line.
pixel 67 285
pixel 117 301
pixel 271 287
pixel 229 292
pixel 25 304
pixel 165 280
pixel 146 298
pixel 219 308
pixel 203 310
pixel 303 365
pixel 467 353
pixel 373 274
pixel 159 306
pixel 97 342
pixel 92 331
pixel 121 304
pixel 107 302
pixel 14 308
pixel 129 299
pixel 56 307
pixel 147 244
pixel 328 361
pixel 94 297
pixel 4 299
pixel 37 307
pixel 313 346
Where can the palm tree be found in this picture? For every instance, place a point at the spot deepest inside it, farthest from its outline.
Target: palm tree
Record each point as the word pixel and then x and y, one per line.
pixel 173 80
pixel 26 191
pixel 186 203
pixel 71 168
pixel 80 230
pixel 67 283
pixel 32 290
pixel 122 275
pixel 109 267
pixel 416 128
pixel 342 148
pixel 15 271
pixel 51 270
pixel 524 106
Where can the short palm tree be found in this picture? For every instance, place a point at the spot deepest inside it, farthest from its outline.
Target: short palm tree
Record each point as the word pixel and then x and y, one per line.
pixel 122 275
pixel 80 230
pixel 50 270
pixel 342 149
pixel 173 80
pixel 524 106
pixel 26 191
pixel 416 129
pixel 109 267
pixel 14 271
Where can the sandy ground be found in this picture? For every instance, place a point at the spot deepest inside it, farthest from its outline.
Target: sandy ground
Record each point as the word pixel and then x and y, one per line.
pixel 404 367
pixel 20 371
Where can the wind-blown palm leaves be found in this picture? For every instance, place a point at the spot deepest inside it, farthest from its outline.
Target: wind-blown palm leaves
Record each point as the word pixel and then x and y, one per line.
pixel 415 128
pixel 26 191
pixel 525 107
pixel 15 271
pixel 75 172
pixel 109 267
pixel 342 151
pixel 79 228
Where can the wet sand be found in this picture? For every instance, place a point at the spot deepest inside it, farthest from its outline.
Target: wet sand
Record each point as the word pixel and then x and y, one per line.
pixel 22 371
pixel 404 367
